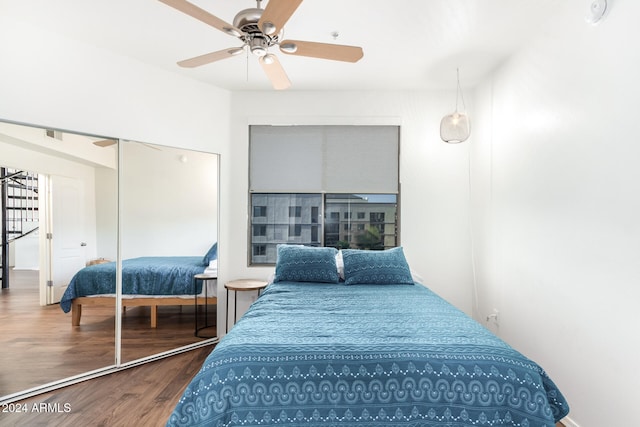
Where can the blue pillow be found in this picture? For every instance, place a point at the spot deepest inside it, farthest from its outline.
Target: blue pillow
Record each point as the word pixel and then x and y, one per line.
pixel 376 267
pixel 211 254
pixel 297 263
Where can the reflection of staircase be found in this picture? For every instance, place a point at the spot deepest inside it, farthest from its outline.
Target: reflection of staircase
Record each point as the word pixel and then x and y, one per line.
pixel 18 213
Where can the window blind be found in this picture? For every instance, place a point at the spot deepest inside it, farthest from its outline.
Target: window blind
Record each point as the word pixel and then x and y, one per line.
pixel 336 159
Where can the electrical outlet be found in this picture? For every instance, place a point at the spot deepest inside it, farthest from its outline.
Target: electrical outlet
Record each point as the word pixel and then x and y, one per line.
pixel 494 317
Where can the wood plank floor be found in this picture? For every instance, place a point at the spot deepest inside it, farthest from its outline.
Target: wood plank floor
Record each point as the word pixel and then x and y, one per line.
pixel 141 396
pixel 39 345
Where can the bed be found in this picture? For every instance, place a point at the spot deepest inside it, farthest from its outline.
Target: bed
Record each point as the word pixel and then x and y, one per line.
pixel 146 281
pixel 380 350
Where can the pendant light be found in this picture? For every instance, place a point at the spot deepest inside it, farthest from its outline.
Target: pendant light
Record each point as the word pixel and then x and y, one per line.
pixel 455 127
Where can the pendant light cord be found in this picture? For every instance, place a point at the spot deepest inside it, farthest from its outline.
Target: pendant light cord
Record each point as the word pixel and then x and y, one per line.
pixel 459 92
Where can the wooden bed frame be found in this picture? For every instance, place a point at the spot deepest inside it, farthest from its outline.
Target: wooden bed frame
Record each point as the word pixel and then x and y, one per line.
pixel 77 303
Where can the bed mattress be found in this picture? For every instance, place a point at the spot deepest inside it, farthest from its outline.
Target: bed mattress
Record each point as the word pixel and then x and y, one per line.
pixel 317 354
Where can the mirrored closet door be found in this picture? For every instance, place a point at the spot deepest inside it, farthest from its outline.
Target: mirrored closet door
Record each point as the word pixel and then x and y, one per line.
pixel 59 214
pixel 168 217
pixel 79 214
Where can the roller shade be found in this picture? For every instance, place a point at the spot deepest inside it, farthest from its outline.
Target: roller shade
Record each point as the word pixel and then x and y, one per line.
pixel 337 159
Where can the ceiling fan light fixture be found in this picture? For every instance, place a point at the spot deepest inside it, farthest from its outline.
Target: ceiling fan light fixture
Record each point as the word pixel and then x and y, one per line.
pixel 268 59
pixel 455 127
pixel 268 28
pixel 258 46
pixel 289 47
pixel 258 51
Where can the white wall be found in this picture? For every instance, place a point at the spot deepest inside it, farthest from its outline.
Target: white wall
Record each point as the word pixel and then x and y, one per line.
pixel 556 204
pixel 23 253
pixel 433 175
pixel 54 81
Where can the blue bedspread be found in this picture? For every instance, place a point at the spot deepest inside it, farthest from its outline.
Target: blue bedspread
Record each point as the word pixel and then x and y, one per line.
pixel 140 276
pixel 310 354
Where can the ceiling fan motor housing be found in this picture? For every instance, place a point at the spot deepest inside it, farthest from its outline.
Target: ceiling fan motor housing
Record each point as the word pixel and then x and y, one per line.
pixel 247 18
pixel 258 45
pixel 258 42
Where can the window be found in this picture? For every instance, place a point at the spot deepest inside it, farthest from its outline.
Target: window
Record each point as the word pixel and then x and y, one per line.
pixel 295 230
pixel 322 186
pixel 259 250
pixel 295 211
pixel 259 230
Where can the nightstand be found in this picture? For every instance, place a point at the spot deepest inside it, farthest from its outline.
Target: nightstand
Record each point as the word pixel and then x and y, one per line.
pixel 241 285
pixel 204 278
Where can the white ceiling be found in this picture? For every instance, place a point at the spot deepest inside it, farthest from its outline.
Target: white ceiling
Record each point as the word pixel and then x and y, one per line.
pixel 408 44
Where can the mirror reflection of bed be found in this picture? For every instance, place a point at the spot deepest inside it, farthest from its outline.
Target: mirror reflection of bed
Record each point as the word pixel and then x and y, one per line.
pixel 169 222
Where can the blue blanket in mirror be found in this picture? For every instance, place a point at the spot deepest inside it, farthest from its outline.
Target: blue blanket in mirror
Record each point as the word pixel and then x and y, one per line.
pixel 140 276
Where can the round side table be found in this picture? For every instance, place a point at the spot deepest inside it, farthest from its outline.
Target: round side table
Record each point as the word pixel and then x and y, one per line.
pixel 204 278
pixel 241 285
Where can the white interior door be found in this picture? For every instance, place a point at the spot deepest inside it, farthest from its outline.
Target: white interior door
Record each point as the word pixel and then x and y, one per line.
pixel 67 233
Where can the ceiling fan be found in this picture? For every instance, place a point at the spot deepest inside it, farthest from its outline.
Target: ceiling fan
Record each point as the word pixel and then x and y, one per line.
pixel 259 29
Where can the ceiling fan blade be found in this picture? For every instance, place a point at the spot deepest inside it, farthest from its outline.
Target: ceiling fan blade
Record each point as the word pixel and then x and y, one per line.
pixel 276 14
pixel 202 15
pixel 274 71
pixel 336 52
pixel 104 142
pixel 208 58
pixel 153 147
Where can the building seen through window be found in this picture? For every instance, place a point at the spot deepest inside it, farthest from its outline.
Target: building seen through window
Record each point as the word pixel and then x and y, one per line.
pixel 358 221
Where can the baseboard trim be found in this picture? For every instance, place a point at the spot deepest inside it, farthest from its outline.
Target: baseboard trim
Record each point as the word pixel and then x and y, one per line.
pixel 568 422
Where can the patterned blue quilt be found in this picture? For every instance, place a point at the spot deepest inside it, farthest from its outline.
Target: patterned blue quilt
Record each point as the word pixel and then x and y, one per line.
pixel 311 354
pixel 140 276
